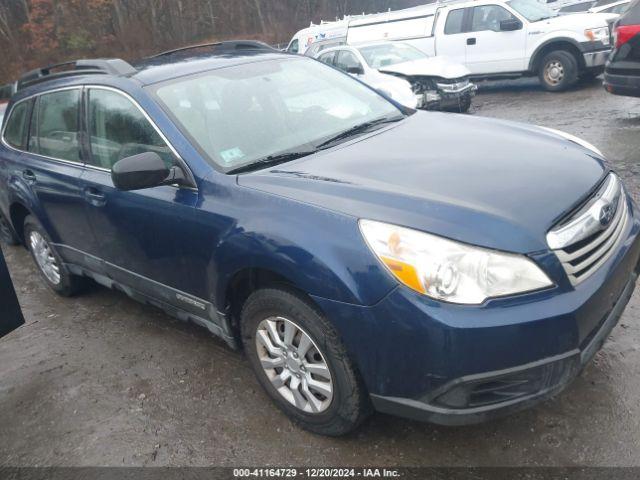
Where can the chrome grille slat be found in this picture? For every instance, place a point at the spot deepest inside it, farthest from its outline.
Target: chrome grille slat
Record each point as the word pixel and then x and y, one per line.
pixel 604 238
pixel 611 241
pixel 601 244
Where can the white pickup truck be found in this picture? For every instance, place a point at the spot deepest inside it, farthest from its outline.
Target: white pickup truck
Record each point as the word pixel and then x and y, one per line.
pixel 495 38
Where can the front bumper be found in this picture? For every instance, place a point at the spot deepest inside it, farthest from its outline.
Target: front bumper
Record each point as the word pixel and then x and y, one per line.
pixel 511 389
pixel 596 59
pixel 456 364
pixel 442 99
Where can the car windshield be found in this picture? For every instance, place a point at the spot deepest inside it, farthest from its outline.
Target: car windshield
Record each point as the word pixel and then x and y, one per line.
pixel 384 55
pixel 532 10
pixel 248 114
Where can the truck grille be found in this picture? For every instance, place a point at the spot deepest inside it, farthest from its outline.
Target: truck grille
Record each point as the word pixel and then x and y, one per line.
pixel 593 235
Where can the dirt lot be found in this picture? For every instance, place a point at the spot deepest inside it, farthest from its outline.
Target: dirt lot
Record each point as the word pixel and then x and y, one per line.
pixel 101 380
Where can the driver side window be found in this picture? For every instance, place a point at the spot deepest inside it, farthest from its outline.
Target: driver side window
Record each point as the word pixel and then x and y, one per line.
pixel 488 17
pixel 346 61
pixel 118 129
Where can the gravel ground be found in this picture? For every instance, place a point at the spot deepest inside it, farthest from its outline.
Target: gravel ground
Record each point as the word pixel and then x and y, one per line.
pixel 102 380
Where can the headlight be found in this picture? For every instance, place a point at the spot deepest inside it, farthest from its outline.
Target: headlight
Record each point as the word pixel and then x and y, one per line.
pixel 450 271
pixel 598 34
pixel 574 139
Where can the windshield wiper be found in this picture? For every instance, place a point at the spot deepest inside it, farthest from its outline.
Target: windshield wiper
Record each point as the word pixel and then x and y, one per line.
pixel 358 129
pixel 271 160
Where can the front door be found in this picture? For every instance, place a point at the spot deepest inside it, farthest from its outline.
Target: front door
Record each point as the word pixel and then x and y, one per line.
pixel 491 50
pixel 144 237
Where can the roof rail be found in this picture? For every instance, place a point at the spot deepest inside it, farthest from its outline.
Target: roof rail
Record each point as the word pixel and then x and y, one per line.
pixel 108 66
pixel 220 47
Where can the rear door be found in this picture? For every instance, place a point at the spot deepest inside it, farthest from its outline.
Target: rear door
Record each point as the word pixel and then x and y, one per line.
pixel 451 41
pixel 491 50
pixel 51 169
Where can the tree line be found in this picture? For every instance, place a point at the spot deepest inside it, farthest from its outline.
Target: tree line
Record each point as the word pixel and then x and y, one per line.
pixel 41 32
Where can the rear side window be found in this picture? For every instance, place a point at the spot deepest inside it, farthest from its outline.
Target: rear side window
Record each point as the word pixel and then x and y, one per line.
pixel 54 128
pixel 16 129
pixel 454 22
pixel 118 129
pixel 294 47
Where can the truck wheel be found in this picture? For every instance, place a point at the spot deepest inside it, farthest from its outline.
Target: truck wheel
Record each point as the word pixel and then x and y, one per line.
pixel 7 236
pixel 301 363
pixel 558 71
pixel 50 265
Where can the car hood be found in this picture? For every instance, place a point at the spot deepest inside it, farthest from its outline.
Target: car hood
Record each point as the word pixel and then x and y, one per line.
pixel 482 181
pixel 577 21
pixel 430 67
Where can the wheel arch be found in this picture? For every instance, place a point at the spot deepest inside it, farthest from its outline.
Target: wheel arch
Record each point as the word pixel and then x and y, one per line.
pixel 566 44
pixel 249 280
pixel 18 212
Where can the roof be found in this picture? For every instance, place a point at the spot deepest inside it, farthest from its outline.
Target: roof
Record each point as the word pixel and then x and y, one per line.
pixel 158 68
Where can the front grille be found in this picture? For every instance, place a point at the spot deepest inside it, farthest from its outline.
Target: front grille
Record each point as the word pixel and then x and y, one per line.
pixel 583 256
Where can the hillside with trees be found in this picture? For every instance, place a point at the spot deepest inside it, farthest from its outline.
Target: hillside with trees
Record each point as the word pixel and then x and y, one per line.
pixel 41 32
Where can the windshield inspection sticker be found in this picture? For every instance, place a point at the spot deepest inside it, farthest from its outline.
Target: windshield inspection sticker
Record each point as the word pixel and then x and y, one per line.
pixel 232 155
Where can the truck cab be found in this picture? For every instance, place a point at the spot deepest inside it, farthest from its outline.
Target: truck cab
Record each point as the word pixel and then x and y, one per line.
pixel 496 38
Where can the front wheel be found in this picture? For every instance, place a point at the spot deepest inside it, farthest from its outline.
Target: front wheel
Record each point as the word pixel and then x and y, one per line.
pixel 558 71
pixel 301 363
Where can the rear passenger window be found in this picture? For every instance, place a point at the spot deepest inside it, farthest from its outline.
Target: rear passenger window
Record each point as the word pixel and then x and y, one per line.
pixel 119 129
pixel 454 22
pixel 54 128
pixel 15 131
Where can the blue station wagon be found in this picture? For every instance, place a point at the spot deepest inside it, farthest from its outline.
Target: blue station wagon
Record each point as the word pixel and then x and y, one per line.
pixel 365 256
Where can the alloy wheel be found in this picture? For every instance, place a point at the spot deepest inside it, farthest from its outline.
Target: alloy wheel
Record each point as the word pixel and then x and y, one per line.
pixel 44 257
pixel 294 364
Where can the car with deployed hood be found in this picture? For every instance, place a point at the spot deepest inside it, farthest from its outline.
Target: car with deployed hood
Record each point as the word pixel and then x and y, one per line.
pixel 360 254
pixel 406 74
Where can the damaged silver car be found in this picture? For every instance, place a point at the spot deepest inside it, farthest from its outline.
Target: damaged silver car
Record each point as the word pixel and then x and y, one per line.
pixel 407 75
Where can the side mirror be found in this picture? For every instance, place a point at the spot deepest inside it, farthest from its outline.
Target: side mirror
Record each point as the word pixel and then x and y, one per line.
pixel 355 70
pixel 510 25
pixel 146 170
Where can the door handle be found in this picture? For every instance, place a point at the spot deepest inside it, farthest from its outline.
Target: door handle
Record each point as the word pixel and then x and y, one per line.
pixel 471 41
pixel 95 197
pixel 29 176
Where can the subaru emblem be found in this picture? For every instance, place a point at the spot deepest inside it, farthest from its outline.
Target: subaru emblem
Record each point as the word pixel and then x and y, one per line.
pixel 606 214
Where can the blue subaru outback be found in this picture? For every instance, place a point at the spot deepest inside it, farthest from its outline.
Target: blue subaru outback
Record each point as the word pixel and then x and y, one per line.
pixel 365 256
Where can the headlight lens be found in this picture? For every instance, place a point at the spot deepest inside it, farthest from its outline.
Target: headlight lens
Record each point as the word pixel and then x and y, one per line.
pixel 450 271
pixel 574 139
pixel 598 34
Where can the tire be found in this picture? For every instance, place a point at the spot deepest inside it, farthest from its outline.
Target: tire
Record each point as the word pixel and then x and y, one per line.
pixel 7 235
pixel 558 71
pixel 464 106
pixel 50 266
pixel 326 363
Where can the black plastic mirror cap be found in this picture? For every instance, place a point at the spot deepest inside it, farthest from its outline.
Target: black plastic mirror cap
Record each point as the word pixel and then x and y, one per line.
pixel 145 170
pixel 511 25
